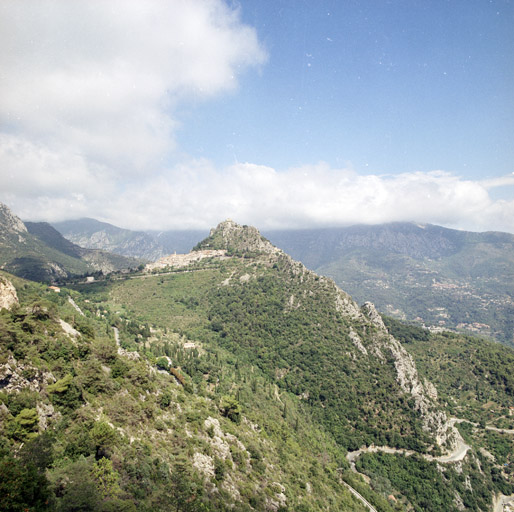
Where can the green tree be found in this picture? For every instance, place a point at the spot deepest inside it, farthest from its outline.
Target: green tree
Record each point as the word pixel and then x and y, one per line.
pixel 104 438
pixel 163 363
pixel 24 426
pixel 106 477
pixel 79 490
pixel 230 408
pixel 22 487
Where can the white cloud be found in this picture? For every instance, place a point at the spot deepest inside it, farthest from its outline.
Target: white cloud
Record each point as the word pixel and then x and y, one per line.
pixel 88 96
pixel 101 79
pixel 196 195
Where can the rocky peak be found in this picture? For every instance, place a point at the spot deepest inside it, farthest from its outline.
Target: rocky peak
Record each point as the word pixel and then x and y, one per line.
pixel 369 310
pixel 234 238
pixel 8 295
pixel 10 222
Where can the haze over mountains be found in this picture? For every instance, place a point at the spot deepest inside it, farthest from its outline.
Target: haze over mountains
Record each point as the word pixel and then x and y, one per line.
pixel 149 245
pixel 435 276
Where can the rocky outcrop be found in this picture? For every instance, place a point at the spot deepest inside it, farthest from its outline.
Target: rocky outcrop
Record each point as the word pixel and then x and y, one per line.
pixel 10 222
pixel 346 305
pixel 69 330
pixel 8 297
pixel 233 237
pixel 424 393
pixel 204 464
pixel 356 340
pixel 15 376
pixel 45 413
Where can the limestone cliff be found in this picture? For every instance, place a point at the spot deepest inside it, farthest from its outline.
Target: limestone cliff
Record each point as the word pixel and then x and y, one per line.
pixel 424 393
pixel 8 297
pixel 11 223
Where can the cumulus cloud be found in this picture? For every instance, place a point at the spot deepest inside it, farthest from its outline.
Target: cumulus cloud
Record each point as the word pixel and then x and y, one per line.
pixel 101 79
pixel 89 92
pixel 195 194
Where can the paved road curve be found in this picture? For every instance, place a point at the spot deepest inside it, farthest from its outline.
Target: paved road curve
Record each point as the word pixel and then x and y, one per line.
pixel 360 497
pixel 458 453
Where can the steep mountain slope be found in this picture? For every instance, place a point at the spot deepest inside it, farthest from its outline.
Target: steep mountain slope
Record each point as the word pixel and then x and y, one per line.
pixel 433 275
pixel 102 261
pixel 317 346
pixel 89 425
pixel 52 238
pixel 38 252
pixel 240 380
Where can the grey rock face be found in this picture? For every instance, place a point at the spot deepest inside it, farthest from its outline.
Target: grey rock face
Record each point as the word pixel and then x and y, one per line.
pixel 8 297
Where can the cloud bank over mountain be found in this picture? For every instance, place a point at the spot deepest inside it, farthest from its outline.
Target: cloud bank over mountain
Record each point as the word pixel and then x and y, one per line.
pixel 90 105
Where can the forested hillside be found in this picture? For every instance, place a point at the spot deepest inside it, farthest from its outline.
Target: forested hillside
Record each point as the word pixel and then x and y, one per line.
pixel 429 274
pixel 89 425
pixel 432 275
pixel 243 381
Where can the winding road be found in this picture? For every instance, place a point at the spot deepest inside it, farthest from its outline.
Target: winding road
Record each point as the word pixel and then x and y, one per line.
pixel 457 454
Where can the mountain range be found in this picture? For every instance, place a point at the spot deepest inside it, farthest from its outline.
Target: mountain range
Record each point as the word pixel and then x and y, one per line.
pixel 234 378
pixel 430 275
pixel 148 245
pixel 37 251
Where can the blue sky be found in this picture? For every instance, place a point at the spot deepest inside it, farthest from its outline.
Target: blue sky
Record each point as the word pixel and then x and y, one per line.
pixel 278 113
pixel 391 87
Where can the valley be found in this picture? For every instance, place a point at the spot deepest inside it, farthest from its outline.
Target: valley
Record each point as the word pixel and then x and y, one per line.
pixel 344 344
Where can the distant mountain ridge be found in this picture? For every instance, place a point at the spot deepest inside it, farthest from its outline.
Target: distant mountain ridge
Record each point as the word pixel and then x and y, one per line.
pixel 147 245
pixel 433 275
pixel 37 251
pixel 429 274
pixel 416 241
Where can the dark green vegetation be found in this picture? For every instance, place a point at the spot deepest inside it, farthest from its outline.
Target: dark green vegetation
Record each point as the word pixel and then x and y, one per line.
pixel 436 276
pixel 428 489
pixel 253 378
pixel 474 377
pixel 293 346
pixel 38 252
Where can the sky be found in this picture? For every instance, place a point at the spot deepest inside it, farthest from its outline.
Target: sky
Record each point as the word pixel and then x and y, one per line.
pixel 177 114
